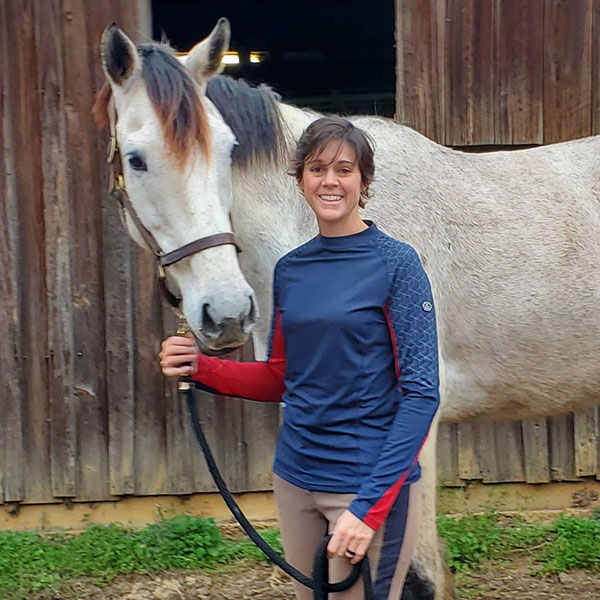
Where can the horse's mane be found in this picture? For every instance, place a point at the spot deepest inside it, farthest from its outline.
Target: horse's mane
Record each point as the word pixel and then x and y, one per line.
pixel 174 97
pixel 253 115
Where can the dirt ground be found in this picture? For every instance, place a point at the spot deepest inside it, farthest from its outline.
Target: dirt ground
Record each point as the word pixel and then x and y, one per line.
pixel 262 582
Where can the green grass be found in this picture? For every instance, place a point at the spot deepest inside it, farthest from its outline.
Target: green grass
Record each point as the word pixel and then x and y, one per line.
pixel 567 543
pixel 33 562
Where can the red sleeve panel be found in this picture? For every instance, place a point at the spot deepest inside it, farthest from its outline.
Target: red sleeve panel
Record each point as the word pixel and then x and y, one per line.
pixel 261 381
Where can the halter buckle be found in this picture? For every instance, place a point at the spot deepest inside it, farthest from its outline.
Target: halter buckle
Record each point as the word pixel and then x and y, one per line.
pixel 161 271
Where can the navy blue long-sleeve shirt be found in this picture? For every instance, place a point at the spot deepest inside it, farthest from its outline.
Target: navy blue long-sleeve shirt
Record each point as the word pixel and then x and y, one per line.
pixel 353 355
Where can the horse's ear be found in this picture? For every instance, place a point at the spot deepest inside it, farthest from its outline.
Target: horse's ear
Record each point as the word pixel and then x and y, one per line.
pixel 120 59
pixel 204 59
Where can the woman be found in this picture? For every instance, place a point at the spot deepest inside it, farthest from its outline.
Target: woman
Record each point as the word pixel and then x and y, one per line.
pixel 353 354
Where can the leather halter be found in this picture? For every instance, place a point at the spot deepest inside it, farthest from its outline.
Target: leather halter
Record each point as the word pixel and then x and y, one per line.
pixel 117 190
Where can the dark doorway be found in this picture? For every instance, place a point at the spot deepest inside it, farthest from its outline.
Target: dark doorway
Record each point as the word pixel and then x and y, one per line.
pixel 331 55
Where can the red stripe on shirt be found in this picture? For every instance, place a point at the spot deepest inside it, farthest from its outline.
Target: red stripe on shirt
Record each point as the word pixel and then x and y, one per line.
pixel 378 513
pixel 261 381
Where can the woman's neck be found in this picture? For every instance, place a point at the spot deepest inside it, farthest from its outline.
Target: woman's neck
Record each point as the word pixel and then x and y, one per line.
pixel 337 228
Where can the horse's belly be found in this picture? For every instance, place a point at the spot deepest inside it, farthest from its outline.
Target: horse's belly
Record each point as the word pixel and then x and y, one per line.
pixel 510 390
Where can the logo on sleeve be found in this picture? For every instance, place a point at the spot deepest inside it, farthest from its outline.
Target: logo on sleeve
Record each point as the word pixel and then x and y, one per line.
pixel 427 306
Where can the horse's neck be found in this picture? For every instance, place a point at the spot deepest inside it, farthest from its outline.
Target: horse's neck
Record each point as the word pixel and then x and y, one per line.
pixel 270 218
pixel 267 202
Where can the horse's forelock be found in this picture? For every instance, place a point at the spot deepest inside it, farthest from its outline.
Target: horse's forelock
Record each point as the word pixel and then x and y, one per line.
pixel 174 97
pixel 176 101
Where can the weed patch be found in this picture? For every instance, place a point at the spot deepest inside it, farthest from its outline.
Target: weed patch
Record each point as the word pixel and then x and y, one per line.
pixel 568 543
pixel 31 562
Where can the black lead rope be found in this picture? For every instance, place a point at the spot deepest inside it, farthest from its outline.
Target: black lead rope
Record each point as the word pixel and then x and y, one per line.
pixel 319 582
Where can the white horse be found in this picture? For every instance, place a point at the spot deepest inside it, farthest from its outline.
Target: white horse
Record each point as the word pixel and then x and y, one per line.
pixel 511 240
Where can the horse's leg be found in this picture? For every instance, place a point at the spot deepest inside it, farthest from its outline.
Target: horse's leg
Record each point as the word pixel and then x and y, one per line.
pixel 428 577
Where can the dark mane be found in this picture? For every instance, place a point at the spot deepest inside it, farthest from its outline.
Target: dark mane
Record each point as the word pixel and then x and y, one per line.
pixel 253 116
pixel 174 97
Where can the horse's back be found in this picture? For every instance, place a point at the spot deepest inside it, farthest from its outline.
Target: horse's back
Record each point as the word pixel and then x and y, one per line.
pixel 511 241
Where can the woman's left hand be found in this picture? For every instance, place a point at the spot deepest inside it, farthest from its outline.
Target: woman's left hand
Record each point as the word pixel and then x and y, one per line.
pixel 350 538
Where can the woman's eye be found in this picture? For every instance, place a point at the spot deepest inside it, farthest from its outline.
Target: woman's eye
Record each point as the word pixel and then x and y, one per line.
pixel 136 163
pixel 315 169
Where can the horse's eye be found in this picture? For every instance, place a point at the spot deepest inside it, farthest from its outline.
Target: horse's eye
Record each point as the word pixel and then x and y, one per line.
pixel 136 163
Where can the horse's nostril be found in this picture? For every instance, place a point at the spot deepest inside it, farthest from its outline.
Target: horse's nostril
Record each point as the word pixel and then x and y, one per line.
pixel 209 327
pixel 252 314
pixel 249 319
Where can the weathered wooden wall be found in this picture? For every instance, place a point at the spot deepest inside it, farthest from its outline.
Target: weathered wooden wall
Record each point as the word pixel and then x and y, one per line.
pixel 480 72
pixel 86 414
pixel 504 72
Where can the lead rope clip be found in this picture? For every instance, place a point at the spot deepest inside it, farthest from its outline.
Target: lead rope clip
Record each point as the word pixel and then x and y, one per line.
pixel 183 385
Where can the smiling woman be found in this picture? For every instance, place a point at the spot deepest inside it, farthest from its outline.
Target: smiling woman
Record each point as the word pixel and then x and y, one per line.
pixel 353 354
pixel 333 165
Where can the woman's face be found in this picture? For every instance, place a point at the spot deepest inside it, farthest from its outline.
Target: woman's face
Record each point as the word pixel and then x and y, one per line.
pixel 331 183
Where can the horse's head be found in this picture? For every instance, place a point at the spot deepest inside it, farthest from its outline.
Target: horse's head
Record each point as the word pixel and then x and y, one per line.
pixel 176 156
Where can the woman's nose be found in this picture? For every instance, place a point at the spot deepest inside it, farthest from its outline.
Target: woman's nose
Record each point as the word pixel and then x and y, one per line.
pixel 330 177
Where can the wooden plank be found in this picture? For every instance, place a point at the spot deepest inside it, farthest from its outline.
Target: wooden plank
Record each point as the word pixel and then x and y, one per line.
pixel 468 456
pixel 447 455
pixel 143 13
pixel 231 447
pixel 518 69
pixel 223 425
pixel 567 69
pixel 120 389
pixel 207 412
pixel 26 140
pixel 419 66
pixel 57 220
pixel 503 461
pixel 135 18
pixel 181 446
pixel 261 430
pixel 11 401
pixel 221 418
pixel 488 459
pixel 596 70
pixel 585 426
pixel 470 73
pixel 150 456
pixel 562 453
pixel 88 312
pixel 536 450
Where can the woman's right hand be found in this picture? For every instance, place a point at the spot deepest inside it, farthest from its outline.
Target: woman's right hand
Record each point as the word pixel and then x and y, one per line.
pixel 179 356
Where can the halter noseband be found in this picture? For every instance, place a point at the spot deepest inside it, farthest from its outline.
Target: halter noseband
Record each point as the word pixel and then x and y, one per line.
pixel 117 190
